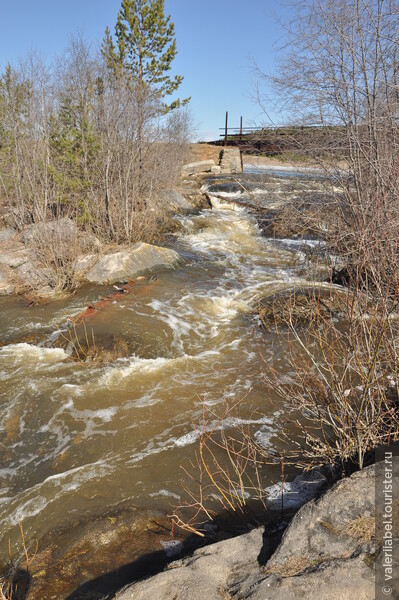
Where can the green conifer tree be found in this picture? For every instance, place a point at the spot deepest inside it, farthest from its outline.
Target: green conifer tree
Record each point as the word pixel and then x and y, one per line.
pixel 144 50
pixel 145 47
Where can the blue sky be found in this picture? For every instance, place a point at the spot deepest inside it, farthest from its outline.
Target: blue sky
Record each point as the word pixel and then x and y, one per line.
pixel 216 42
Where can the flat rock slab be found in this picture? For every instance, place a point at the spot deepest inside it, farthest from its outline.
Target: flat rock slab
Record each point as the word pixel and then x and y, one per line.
pixel 131 262
pixel 203 166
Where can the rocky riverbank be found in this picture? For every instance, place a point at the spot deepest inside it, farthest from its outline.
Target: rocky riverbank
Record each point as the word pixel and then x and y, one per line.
pixel 327 552
pixel 34 260
pixel 177 333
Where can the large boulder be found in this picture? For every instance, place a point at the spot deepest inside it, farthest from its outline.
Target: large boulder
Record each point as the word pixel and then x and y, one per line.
pixel 206 574
pixel 129 263
pixel 327 552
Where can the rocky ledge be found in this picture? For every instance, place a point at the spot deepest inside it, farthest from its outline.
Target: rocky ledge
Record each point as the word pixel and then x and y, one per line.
pixel 327 552
pixel 30 260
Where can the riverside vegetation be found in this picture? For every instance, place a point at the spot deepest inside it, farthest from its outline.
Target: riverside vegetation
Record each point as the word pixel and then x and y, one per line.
pixel 336 371
pixel 91 138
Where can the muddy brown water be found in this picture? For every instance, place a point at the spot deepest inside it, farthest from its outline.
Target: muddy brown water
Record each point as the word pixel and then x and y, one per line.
pixel 78 441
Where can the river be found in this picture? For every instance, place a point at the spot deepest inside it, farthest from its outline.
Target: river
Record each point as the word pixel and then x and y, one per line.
pixel 76 441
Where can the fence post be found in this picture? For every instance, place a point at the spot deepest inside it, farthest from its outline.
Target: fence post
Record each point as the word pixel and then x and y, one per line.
pixel 225 128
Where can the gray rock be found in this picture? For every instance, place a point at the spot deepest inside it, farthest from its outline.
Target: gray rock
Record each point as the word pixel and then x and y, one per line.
pixel 33 276
pixel 6 287
pixel 84 263
pixel 131 262
pixel 339 580
pixel 209 570
pixel 317 531
pixel 320 556
pixel 7 234
pixel 176 202
pixel 61 230
pixel 231 161
pixel 203 166
pixel 14 259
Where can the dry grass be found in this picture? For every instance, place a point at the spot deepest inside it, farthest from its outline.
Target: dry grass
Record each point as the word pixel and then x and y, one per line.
pixel 362 529
pixel 292 567
pixel 15 580
pixel 86 350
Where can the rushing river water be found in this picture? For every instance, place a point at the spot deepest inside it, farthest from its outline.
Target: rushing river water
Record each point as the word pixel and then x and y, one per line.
pixel 76 440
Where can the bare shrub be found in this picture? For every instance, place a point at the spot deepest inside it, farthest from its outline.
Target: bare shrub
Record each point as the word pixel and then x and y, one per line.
pixel 226 473
pixel 338 78
pixel 343 392
pixel 56 246
pixel 79 140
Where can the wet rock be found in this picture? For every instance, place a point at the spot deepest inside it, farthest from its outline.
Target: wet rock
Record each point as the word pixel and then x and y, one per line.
pixel 293 494
pixel 191 189
pixel 230 187
pixel 142 257
pixel 71 556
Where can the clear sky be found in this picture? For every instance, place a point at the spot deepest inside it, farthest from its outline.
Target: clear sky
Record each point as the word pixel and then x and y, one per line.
pixel 216 41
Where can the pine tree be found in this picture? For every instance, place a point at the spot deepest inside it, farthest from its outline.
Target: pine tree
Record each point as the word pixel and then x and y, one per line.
pixel 145 47
pixel 144 51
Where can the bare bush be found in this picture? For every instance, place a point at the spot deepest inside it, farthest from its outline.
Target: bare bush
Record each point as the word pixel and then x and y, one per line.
pixel 338 75
pixel 78 140
pixel 56 245
pixel 343 391
pixel 226 473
